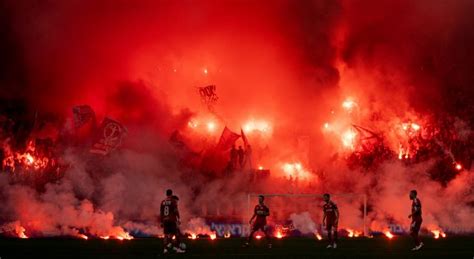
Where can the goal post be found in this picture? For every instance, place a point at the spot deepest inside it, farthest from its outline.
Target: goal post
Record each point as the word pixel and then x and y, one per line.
pixel 363 198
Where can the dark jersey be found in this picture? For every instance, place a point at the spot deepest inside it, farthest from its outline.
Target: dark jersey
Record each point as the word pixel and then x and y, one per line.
pixel 169 210
pixel 416 209
pixel 330 210
pixel 262 212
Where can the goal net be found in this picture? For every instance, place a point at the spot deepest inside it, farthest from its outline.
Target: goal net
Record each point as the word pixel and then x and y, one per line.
pixel 303 213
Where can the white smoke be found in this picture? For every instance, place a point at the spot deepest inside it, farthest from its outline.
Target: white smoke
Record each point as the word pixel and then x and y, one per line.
pixel 304 223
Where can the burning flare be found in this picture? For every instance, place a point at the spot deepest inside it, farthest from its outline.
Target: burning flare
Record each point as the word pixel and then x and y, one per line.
pixel 349 104
pixel 353 233
pixel 279 235
pixel 196 227
pixel 211 126
pixel 437 233
pixel 117 233
pixel 388 234
pixel 20 231
pixel 318 236
pixel 27 160
pixel 124 235
pixel 257 125
pixel 296 170
pixel 348 139
pixel 458 166
pixel 83 236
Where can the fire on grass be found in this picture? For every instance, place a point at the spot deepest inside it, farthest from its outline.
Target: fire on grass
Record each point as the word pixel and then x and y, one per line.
pixel 318 236
pixel 16 229
pixel 211 236
pixel 13 229
pixel 388 234
pixel 436 231
pixel 353 233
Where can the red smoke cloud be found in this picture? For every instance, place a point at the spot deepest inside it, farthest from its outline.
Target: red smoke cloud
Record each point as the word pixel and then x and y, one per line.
pixel 286 63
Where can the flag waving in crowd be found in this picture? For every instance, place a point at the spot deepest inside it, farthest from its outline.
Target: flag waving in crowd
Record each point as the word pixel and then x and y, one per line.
pixel 227 139
pixel 83 114
pixel 110 136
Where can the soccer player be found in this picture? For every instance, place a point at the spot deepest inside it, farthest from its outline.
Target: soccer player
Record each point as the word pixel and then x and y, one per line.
pixel 169 216
pixel 330 220
pixel 261 212
pixel 415 219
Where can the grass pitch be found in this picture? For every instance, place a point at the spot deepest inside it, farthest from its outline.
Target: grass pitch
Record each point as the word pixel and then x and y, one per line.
pixel 378 247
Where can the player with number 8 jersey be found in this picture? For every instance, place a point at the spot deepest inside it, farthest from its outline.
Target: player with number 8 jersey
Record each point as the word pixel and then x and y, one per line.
pixel 169 216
